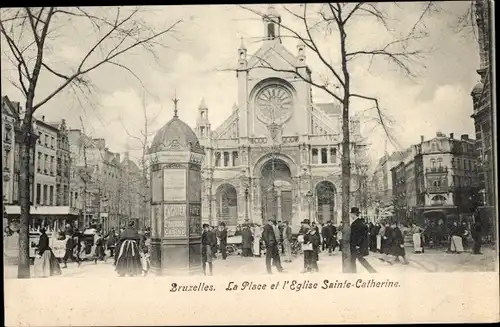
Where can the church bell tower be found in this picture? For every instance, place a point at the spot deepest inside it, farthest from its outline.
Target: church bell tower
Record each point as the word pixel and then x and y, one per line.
pixel 202 123
pixel 272 21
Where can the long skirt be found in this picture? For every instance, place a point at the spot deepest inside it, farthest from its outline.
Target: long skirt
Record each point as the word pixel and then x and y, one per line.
pixel 288 250
pixel 379 243
pixel 256 247
pixel 42 265
pixel 129 259
pixel 417 242
pixel 456 244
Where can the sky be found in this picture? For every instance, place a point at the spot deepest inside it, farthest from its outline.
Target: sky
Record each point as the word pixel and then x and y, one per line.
pixel 196 63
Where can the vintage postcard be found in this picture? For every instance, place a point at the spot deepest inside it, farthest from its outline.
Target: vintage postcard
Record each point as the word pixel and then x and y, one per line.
pixel 315 163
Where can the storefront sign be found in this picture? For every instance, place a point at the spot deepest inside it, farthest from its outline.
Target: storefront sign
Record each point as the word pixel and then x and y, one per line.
pixel 174 185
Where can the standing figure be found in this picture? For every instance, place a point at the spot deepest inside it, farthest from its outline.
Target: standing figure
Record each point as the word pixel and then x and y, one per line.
pixel 222 233
pixel 69 253
pixel 287 242
pixel 99 249
pixel 476 236
pixel 214 245
pixel 417 238
pixel 398 244
pixel 456 234
pixel 111 242
pixel 358 237
pixel 246 237
pixel 307 246
pixel 128 261
pixel 257 236
pixel 326 234
pixel 387 242
pixel 372 231
pixel 271 241
pixel 46 263
pixel 208 239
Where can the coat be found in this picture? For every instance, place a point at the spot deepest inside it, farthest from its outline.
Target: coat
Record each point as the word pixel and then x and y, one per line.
pixel 359 237
pixel 327 232
pixel 247 238
pixel 269 236
pixel 398 241
pixel 43 244
pixel 222 236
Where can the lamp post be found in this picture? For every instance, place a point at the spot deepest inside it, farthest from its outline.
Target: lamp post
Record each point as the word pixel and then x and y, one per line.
pixel 309 197
pixel 246 205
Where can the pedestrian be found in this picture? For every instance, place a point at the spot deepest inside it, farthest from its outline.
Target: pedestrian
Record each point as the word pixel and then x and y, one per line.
pixel 46 264
pixel 398 244
pixel 287 242
pixel 99 249
pixel 145 254
pixel 247 241
pixel 387 242
pixel 281 225
pixel 476 236
pixel 310 245
pixel 208 239
pixel 358 237
pixel 465 235
pixel 416 233
pixel 222 235
pixel 456 234
pixel 334 241
pixel 326 232
pixel 111 242
pixel 128 261
pixel 69 251
pixel 257 237
pixel 271 240
pixel 372 231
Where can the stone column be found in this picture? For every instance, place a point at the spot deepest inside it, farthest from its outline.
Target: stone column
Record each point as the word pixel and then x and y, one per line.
pixel 278 204
pixel 230 164
pixel 319 156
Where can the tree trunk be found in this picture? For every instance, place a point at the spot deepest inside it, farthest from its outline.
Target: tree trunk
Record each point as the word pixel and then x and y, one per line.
pixel 23 268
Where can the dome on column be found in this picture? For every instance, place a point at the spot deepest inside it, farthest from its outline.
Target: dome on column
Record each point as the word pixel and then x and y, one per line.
pixel 175 135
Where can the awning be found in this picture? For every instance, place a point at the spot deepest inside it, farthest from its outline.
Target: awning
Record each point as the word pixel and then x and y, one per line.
pixel 44 210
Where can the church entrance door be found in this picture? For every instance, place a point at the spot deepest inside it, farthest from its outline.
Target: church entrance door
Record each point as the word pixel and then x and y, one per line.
pixel 276 190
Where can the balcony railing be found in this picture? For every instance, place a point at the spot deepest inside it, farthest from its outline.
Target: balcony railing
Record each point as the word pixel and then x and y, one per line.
pixel 436 170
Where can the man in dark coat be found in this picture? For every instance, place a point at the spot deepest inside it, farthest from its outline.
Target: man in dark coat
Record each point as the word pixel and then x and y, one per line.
pixel 70 246
pixel 222 234
pixel 208 239
pixel 326 232
pixel 247 241
pixel 476 234
pixel 359 234
pixel 272 252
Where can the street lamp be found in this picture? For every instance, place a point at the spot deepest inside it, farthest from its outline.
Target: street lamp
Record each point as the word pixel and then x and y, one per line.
pixel 309 197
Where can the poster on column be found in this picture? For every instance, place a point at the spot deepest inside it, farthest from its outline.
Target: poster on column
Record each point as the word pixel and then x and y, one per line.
pixel 156 185
pixel 174 185
pixel 155 221
pixel 174 220
pixel 195 219
pixel 195 186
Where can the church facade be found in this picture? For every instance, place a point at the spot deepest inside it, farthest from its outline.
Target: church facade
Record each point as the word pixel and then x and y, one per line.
pixel 277 154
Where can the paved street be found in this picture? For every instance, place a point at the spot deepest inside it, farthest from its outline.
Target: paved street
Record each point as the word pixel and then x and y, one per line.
pixel 430 261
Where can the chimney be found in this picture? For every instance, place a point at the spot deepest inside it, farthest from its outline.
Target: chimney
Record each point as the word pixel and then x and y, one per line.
pixel 421 139
pixel 465 137
pixel 451 136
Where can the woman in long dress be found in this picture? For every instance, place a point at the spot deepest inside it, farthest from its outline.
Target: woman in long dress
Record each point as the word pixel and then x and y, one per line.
pixel 257 235
pixel 417 238
pixel 128 261
pixel 46 263
pixel 456 234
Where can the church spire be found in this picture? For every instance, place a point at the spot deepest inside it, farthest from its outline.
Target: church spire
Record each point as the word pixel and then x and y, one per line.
pixel 272 22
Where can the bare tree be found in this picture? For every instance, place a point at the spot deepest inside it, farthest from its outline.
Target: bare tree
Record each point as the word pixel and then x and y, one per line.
pixel 335 19
pixel 143 141
pixel 29 34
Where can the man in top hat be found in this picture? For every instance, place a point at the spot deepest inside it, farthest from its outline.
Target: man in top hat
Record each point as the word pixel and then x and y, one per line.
pixel 359 233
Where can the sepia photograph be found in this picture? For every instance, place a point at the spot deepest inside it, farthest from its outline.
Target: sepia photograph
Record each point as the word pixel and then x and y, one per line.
pixel 163 163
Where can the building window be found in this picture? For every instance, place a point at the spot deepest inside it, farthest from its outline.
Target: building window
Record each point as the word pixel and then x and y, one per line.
pixel 217 159
pixel 324 156
pixel 38 193
pixel 39 162
pixel 52 165
pixel 51 195
pixel 271 33
pixel 202 131
pixel 315 155
pixel 333 155
pixel 440 162
pixel 66 195
pixel 453 164
pixel 433 163
pixel 226 159
pixel 46 140
pixel 46 163
pixel 52 142
pixel 45 195
pixel 433 147
pixel 236 161
pixel 459 166
pixel 58 195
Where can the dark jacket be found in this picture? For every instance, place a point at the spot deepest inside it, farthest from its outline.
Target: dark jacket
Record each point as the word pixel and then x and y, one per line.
pixel 288 233
pixel 359 234
pixel 223 236
pixel 43 244
pixel 397 242
pixel 314 239
pixel 70 244
pixel 208 238
pixel 327 232
pixel 130 234
pixel 268 235
pixel 247 238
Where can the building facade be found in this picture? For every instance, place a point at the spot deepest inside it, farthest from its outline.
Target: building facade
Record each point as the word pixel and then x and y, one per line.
pixel 437 180
pixel 277 155
pixel 482 99
pixel 135 197
pixel 10 123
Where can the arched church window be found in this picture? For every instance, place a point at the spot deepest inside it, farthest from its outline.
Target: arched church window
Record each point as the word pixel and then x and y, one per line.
pixel 236 161
pixel 270 31
pixel 333 155
pixel 217 159
pixel 324 155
